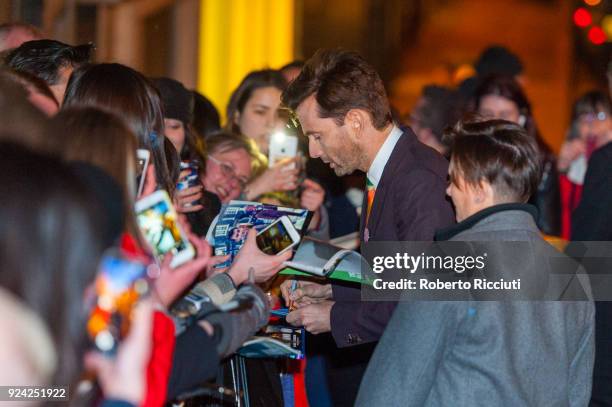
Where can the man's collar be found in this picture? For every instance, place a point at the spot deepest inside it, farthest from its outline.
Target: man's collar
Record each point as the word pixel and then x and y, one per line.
pixel 380 161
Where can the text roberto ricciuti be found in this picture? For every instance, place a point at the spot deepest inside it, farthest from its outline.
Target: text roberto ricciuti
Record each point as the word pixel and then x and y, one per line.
pixel 458 264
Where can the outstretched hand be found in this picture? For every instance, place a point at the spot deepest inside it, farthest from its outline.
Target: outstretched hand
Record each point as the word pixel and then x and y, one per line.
pixel 251 259
pixel 171 282
pixel 124 377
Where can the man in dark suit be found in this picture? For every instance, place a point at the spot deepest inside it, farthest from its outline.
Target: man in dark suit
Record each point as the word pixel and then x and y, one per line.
pixel 342 106
pixel 592 221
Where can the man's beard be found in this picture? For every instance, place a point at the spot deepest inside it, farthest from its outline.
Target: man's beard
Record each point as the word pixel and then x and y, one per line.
pixel 341 171
pixel 354 158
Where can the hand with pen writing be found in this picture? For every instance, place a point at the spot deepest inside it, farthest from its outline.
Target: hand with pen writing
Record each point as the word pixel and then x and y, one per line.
pixel 312 303
pixel 304 292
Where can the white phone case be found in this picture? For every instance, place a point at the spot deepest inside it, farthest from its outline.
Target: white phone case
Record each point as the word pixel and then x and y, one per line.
pixel 282 146
pixel 293 233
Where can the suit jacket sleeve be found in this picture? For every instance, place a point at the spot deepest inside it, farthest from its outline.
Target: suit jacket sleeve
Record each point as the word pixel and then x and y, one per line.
pixel 419 205
pixel 404 365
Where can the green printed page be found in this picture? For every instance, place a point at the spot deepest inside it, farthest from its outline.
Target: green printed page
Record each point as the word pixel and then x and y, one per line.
pixel 335 275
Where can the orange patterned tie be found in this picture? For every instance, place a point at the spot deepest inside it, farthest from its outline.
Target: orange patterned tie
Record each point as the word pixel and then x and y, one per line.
pixel 371 191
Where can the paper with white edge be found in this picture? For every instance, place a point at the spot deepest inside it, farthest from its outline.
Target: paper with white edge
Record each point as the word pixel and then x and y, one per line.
pixel 321 259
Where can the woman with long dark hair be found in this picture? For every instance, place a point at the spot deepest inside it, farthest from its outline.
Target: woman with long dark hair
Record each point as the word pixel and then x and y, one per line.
pixel 501 97
pixel 128 94
pixel 253 110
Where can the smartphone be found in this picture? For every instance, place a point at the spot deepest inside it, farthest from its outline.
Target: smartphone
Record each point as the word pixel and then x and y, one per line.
pixel 120 283
pixel 142 163
pixel 192 179
pixel 158 222
pixel 278 237
pixel 282 146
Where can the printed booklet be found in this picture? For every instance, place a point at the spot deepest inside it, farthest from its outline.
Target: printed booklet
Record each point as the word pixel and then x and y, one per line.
pixel 229 230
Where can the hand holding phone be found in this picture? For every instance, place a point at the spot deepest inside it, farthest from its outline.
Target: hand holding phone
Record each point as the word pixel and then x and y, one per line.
pixel 159 224
pixel 121 282
pixel 125 376
pixel 282 146
pixel 171 282
pixel 251 260
pixel 279 237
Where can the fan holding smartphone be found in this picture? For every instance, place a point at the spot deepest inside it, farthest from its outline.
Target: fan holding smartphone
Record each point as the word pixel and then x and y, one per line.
pixel 279 237
pixel 159 224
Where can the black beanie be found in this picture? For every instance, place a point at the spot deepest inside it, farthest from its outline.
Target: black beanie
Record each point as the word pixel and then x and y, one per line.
pixel 176 99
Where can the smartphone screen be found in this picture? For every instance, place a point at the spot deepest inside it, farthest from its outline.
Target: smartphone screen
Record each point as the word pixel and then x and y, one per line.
pixel 159 226
pixel 275 239
pixel 120 283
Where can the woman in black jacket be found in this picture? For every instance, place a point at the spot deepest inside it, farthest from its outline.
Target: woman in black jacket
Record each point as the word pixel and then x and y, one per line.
pixel 501 97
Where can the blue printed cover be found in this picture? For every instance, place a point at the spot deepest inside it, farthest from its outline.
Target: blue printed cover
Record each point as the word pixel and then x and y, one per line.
pixel 237 217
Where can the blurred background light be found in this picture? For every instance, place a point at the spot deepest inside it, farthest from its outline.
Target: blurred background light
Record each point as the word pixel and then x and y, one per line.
pixel 606 24
pixel 596 35
pixel 582 18
pixel 592 2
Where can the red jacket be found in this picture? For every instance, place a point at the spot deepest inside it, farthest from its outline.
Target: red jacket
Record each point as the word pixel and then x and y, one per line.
pixel 570 198
pixel 160 363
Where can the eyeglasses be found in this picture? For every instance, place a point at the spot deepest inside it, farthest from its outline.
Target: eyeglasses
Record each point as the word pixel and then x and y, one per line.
pixel 592 117
pixel 229 172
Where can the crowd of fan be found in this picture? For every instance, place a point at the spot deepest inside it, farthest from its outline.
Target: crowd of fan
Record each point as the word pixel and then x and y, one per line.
pixel 69 133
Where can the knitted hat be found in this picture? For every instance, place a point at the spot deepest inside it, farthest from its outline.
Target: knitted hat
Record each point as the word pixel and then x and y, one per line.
pixel 176 99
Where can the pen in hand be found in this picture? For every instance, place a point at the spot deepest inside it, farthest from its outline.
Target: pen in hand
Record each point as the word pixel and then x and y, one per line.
pixel 291 304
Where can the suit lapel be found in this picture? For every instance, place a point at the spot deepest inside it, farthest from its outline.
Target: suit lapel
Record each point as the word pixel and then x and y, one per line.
pixel 400 153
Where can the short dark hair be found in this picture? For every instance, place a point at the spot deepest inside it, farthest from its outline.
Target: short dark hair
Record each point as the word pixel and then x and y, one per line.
pixel 591 103
pixel 44 58
pixel 441 108
pixel 340 80
pixel 499 152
